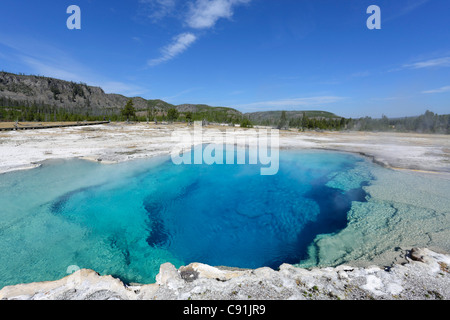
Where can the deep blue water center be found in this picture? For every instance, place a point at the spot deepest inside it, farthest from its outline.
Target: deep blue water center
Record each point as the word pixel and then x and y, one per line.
pixel 127 219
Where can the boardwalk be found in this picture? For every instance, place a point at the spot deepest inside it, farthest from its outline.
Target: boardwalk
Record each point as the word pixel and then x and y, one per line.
pixel 10 126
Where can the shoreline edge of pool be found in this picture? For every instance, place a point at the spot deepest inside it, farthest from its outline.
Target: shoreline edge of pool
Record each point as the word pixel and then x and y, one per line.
pixel 413 274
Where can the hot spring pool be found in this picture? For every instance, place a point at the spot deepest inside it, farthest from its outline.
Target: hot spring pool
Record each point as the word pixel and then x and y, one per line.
pixel 127 219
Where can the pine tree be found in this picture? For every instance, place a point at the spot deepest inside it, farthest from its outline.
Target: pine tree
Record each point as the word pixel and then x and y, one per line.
pixel 129 110
pixel 172 114
pixel 283 120
pixel 189 116
pixel 245 123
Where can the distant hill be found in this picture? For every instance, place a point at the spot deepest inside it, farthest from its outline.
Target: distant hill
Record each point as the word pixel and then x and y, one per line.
pixel 42 92
pixel 38 97
pixel 30 90
pixel 263 115
pixel 273 117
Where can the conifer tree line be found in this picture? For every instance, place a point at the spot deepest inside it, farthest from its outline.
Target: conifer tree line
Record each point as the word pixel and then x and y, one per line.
pixel 429 122
pixel 23 111
pixel 13 110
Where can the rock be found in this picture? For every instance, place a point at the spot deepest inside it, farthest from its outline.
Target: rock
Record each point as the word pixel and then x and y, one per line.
pixel 167 271
pixel 416 254
pixel 188 274
pixel 424 276
pixel 208 272
pixel 147 292
pixel 169 276
pixel 81 285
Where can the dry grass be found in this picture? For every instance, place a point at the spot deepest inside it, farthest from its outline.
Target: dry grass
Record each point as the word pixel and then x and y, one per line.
pixel 444 267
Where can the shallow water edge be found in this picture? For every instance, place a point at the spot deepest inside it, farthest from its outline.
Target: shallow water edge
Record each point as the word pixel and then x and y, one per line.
pixel 403 214
pixel 424 276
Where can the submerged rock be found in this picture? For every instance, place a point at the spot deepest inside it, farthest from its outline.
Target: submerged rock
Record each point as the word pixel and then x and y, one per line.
pixel 425 275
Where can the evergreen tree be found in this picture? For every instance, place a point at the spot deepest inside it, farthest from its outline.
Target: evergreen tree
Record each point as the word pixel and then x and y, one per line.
pixel 129 110
pixel 150 111
pixel 189 116
pixel 283 120
pixel 245 123
pixel 172 114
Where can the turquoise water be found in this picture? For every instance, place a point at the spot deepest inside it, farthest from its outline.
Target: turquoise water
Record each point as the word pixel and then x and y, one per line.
pixel 129 218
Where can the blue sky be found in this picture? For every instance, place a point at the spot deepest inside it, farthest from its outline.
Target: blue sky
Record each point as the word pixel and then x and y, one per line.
pixel 253 55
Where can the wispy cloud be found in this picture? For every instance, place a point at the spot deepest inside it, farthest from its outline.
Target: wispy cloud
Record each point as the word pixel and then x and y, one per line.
pixel 127 89
pixel 181 93
pixel 291 104
pixel 47 60
pixel 48 69
pixel 205 13
pixel 388 98
pixel 43 58
pixel 440 62
pixel 201 14
pixel 57 71
pixel 360 74
pixel 404 8
pixel 439 90
pixel 158 9
pixel 179 44
pixel 236 92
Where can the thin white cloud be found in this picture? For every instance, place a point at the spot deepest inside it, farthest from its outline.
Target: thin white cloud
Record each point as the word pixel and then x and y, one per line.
pixel 42 58
pixel 439 90
pixel 291 104
pixel 361 74
pixel 404 8
pixel 201 14
pixel 182 93
pixel 389 98
pixel 54 71
pixel 158 9
pixel 118 87
pixel 179 45
pixel 59 72
pixel 47 60
pixel 440 62
pixel 204 14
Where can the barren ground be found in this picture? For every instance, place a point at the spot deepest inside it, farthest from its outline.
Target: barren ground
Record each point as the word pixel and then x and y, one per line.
pixel 121 142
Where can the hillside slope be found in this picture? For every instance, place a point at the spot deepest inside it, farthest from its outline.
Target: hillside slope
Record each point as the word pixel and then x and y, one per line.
pixel 48 96
pixel 29 90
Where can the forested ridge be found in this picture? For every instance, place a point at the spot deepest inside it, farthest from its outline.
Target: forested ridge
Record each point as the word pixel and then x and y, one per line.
pixel 29 98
